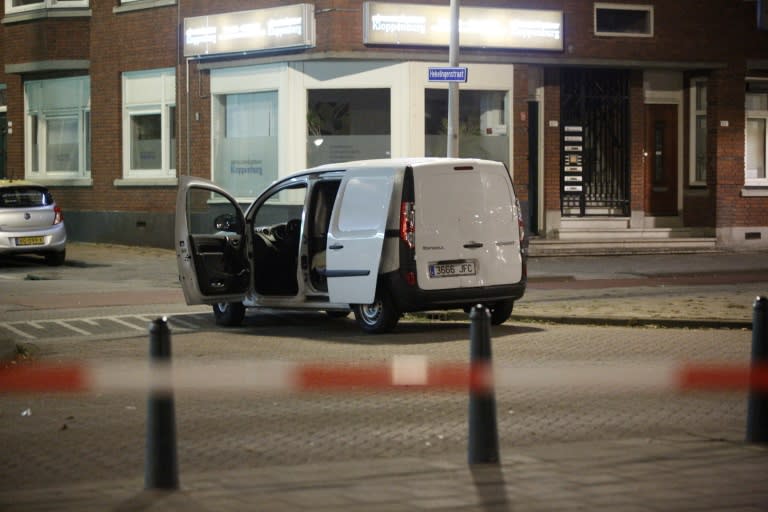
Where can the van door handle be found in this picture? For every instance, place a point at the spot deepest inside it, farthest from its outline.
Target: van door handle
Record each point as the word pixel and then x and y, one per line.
pixel 473 245
pixel 336 247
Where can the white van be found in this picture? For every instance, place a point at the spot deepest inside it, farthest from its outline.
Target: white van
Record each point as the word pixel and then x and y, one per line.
pixel 379 237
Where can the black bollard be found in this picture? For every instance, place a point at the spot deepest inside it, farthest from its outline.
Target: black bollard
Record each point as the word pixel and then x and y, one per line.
pixel 160 470
pixel 483 431
pixel 757 407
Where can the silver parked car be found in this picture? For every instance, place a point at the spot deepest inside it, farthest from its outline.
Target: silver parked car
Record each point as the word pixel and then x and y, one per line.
pixel 31 222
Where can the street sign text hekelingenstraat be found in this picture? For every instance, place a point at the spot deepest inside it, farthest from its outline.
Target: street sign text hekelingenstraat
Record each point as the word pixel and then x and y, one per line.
pixel 448 74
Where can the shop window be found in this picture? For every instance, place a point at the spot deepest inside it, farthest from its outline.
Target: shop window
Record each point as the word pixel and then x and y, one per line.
pixel 698 130
pixel 14 6
pixel 482 124
pixel 149 125
pixel 58 128
pixel 245 152
pixel 624 20
pixel 756 139
pixel 347 124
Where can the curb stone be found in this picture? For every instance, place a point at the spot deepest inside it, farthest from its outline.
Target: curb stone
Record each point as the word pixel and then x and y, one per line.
pixel 679 323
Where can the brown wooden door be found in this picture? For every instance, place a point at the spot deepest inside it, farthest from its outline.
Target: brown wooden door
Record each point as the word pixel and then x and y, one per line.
pixel 661 160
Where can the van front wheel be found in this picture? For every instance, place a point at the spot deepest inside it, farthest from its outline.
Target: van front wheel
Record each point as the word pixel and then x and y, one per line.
pixel 229 314
pixel 501 311
pixel 378 317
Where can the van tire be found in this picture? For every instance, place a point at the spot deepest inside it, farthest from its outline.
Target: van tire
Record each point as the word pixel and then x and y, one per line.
pixel 229 314
pixel 501 311
pixel 378 317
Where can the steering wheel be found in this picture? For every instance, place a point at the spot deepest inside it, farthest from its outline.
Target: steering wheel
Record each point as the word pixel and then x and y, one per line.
pixel 293 225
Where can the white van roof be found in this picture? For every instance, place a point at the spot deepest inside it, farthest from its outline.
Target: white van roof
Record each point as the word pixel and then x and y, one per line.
pixel 397 163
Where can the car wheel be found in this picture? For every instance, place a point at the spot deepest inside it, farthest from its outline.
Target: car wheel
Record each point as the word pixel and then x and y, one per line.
pixel 55 259
pixel 501 311
pixel 378 317
pixel 229 314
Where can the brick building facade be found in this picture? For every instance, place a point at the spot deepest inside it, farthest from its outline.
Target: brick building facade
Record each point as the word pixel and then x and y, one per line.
pixel 643 114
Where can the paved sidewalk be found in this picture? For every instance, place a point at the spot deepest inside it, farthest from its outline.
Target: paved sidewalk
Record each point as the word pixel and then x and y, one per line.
pixel 671 290
pixel 683 473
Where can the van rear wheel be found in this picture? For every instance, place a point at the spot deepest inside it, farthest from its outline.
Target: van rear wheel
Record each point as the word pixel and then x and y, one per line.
pixel 501 311
pixel 378 317
pixel 229 314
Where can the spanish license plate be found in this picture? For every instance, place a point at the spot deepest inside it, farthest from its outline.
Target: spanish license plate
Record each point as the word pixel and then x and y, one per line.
pixel 452 269
pixel 30 240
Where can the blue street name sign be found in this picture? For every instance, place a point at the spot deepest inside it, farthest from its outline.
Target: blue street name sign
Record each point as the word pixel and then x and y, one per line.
pixel 447 74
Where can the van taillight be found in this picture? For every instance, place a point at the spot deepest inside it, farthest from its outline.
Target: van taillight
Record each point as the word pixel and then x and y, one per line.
pixel 520 223
pixel 58 215
pixel 407 224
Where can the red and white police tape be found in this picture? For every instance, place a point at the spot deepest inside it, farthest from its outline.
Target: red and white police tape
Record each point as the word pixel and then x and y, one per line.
pixel 402 372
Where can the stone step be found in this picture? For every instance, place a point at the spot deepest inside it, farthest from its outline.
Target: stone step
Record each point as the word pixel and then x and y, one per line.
pixel 603 246
pixel 579 223
pixel 597 233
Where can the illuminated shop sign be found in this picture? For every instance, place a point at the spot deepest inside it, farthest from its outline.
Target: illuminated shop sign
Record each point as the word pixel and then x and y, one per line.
pixel 292 26
pixel 479 27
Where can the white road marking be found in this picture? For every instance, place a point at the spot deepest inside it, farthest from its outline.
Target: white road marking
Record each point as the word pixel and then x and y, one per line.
pixel 72 327
pixel 28 329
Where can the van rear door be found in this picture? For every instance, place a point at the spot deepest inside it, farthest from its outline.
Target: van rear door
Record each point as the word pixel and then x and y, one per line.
pixel 356 234
pixel 466 233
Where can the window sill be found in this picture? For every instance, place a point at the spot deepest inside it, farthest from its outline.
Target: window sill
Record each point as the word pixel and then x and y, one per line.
pixel 42 13
pixel 61 182
pixel 139 5
pixel 147 182
pixel 755 191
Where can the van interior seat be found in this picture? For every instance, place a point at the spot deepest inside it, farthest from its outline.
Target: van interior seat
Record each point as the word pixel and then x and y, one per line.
pixel 276 249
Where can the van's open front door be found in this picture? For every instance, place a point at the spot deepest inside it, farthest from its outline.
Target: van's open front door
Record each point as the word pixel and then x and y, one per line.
pixel 209 235
pixel 356 234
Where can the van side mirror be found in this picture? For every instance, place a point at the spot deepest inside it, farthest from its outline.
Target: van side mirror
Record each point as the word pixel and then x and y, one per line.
pixel 226 222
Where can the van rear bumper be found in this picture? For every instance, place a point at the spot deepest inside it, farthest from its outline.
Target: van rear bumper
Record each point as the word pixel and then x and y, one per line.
pixel 412 298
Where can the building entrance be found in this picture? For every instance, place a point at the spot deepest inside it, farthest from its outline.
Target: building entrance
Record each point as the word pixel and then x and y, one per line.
pixel 594 110
pixel 661 160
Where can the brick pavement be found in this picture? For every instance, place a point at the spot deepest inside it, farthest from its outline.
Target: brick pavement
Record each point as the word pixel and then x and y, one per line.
pixel 681 473
pixel 579 459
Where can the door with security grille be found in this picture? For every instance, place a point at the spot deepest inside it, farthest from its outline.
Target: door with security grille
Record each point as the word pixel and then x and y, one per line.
pixel 595 124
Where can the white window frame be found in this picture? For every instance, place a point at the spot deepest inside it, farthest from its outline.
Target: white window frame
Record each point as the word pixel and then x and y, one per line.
pixel 623 7
pixel 694 114
pixel 41 172
pixel 763 115
pixel 45 4
pixel 162 103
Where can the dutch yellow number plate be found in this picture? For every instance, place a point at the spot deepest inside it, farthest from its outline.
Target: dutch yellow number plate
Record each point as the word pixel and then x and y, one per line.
pixel 30 240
